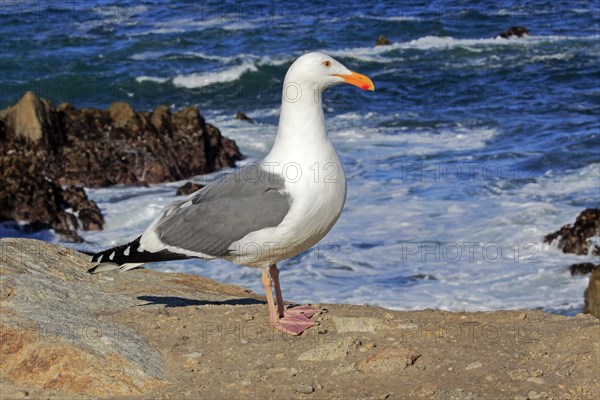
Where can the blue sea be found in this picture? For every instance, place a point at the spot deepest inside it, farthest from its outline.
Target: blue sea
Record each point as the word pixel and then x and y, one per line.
pixel 469 151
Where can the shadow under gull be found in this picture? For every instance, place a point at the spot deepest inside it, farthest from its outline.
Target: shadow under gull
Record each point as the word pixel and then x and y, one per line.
pixel 173 301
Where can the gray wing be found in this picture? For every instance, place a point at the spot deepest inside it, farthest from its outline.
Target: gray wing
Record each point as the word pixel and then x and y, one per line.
pixel 221 213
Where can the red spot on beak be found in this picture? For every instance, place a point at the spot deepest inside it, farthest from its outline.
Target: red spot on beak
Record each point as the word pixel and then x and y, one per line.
pixel 356 79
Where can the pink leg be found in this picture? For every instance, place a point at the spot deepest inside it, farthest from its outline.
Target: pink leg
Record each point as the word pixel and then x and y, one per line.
pixel 293 321
pixel 273 318
pixel 274 273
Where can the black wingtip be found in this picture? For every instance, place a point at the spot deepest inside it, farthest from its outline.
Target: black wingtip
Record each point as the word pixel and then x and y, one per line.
pixel 130 253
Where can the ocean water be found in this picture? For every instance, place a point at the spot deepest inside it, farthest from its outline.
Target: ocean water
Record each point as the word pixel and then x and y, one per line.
pixel 470 150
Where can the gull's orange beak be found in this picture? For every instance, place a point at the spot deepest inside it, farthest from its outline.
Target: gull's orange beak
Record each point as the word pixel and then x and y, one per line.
pixel 357 79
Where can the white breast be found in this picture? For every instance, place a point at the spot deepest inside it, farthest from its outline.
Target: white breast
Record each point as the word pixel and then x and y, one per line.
pixel 316 185
pixel 318 199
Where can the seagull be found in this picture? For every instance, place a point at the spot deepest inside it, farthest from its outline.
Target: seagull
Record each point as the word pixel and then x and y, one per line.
pixel 264 212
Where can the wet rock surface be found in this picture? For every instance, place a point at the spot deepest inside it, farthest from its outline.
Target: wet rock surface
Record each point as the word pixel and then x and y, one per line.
pixel 514 31
pixel 87 210
pixel 121 146
pixel 27 195
pixel 188 188
pixel 583 268
pixel 243 117
pixel 382 41
pixel 577 238
pixel 44 148
pixel 65 334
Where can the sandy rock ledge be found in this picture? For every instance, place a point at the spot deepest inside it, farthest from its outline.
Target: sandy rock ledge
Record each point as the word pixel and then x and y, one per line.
pixel 65 334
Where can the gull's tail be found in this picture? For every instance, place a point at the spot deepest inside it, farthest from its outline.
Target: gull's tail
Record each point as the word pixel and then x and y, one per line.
pixel 128 256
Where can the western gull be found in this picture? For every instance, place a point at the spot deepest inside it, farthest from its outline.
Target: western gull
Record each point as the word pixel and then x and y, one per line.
pixel 264 212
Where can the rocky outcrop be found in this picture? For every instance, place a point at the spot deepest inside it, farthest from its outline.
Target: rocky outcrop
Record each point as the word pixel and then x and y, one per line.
pixel 34 120
pixel 92 147
pixel 65 334
pixel 583 268
pixel 515 31
pixel 243 117
pixel 87 211
pixel 70 332
pixel 188 188
pixel 591 295
pixel 28 195
pixel 43 147
pixel 382 41
pixel 121 146
pixel 576 238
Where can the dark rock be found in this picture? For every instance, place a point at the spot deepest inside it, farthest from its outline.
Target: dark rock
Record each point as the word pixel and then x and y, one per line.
pixel 188 188
pixel 592 295
pixel 43 147
pixel 382 41
pixel 119 146
pixel 583 268
pixel 87 210
pixel 28 195
pixel 574 239
pixel 515 31
pixel 243 117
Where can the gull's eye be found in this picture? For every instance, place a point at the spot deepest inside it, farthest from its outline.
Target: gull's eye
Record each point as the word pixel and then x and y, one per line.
pixel 326 63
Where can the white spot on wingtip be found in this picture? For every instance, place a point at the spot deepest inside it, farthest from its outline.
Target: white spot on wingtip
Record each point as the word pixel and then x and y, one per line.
pixel 99 260
pixel 126 252
pixel 112 255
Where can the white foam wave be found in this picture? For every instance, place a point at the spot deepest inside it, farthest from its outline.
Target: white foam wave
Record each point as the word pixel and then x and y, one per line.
pixel 146 55
pixel 391 18
pixel 583 182
pixel 382 53
pixel 440 42
pixel 395 18
pixel 249 63
pixel 155 55
pixel 197 80
pixel 584 10
pixel 443 42
pixel 180 25
pixel 223 59
pixel 239 26
pixel 228 74
pixel 418 142
pixel 161 31
pixel 550 57
pixel 368 54
pixel 141 79
pixel 242 57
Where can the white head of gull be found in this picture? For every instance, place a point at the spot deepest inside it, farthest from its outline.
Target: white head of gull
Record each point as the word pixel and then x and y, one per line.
pixel 266 212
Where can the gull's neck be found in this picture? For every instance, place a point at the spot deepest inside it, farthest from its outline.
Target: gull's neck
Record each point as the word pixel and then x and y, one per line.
pixel 301 133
